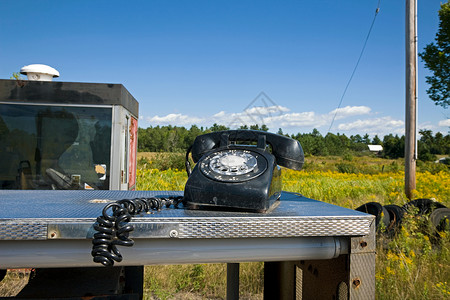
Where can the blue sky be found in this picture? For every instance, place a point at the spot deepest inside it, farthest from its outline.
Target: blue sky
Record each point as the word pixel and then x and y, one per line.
pixel 282 63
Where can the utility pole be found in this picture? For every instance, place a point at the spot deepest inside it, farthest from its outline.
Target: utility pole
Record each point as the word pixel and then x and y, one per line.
pixel 411 98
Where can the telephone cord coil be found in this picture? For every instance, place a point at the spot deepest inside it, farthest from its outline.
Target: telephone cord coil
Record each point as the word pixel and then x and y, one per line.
pixel 113 226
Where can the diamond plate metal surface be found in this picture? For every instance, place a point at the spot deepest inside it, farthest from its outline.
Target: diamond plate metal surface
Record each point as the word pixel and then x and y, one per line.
pixel 273 227
pixel 362 266
pixel 362 276
pixel 71 214
pixel 23 231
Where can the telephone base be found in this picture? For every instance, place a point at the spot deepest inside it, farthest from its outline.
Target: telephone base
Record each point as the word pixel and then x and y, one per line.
pixel 202 206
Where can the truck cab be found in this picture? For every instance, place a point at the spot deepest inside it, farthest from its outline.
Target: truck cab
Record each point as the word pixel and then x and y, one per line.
pixel 67 136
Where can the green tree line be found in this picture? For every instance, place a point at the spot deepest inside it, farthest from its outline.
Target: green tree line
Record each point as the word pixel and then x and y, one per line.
pixel 178 139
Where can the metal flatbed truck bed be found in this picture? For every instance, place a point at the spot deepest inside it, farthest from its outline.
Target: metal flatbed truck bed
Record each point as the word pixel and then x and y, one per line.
pixel 311 249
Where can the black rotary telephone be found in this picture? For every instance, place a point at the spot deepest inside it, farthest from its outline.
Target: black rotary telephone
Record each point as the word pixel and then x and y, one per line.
pixel 227 176
pixel 231 176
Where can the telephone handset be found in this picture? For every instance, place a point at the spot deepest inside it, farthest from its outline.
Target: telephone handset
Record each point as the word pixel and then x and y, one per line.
pixel 231 176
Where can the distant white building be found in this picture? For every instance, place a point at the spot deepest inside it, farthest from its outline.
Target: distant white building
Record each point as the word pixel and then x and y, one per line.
pixel 444 160
pixel 375 148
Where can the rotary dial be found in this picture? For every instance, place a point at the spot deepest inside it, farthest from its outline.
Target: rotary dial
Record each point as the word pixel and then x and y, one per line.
pixel 233 165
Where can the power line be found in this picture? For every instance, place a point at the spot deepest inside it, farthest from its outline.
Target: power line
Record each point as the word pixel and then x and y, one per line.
pixel 357 63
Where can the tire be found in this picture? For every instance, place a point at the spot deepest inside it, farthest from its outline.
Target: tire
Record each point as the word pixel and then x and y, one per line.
pixel 376 209
pixel 440 218
pixel 425 206
pixel 2 274
pixel 396 215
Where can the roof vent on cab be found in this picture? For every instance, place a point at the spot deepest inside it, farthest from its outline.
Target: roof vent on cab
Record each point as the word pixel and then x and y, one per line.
pixel 38 72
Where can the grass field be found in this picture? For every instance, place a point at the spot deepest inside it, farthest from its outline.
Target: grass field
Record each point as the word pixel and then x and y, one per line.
pixel 413 264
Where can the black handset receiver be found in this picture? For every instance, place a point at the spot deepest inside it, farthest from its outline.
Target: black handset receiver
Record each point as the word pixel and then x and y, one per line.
pixel 231 176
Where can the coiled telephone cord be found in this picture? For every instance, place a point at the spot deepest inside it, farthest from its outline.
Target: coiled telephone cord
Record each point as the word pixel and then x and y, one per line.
pixel 113 226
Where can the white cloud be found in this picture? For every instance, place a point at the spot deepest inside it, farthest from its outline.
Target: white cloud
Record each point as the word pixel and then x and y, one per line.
pixel 272 117
pixel 269 110
pixel 254 115
pixel 304 119
pixel 444 123
pixel 276 117
pixel 380 126
pixel 174 119
pixel 220 114
pixel 349 111
pixel 427 126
